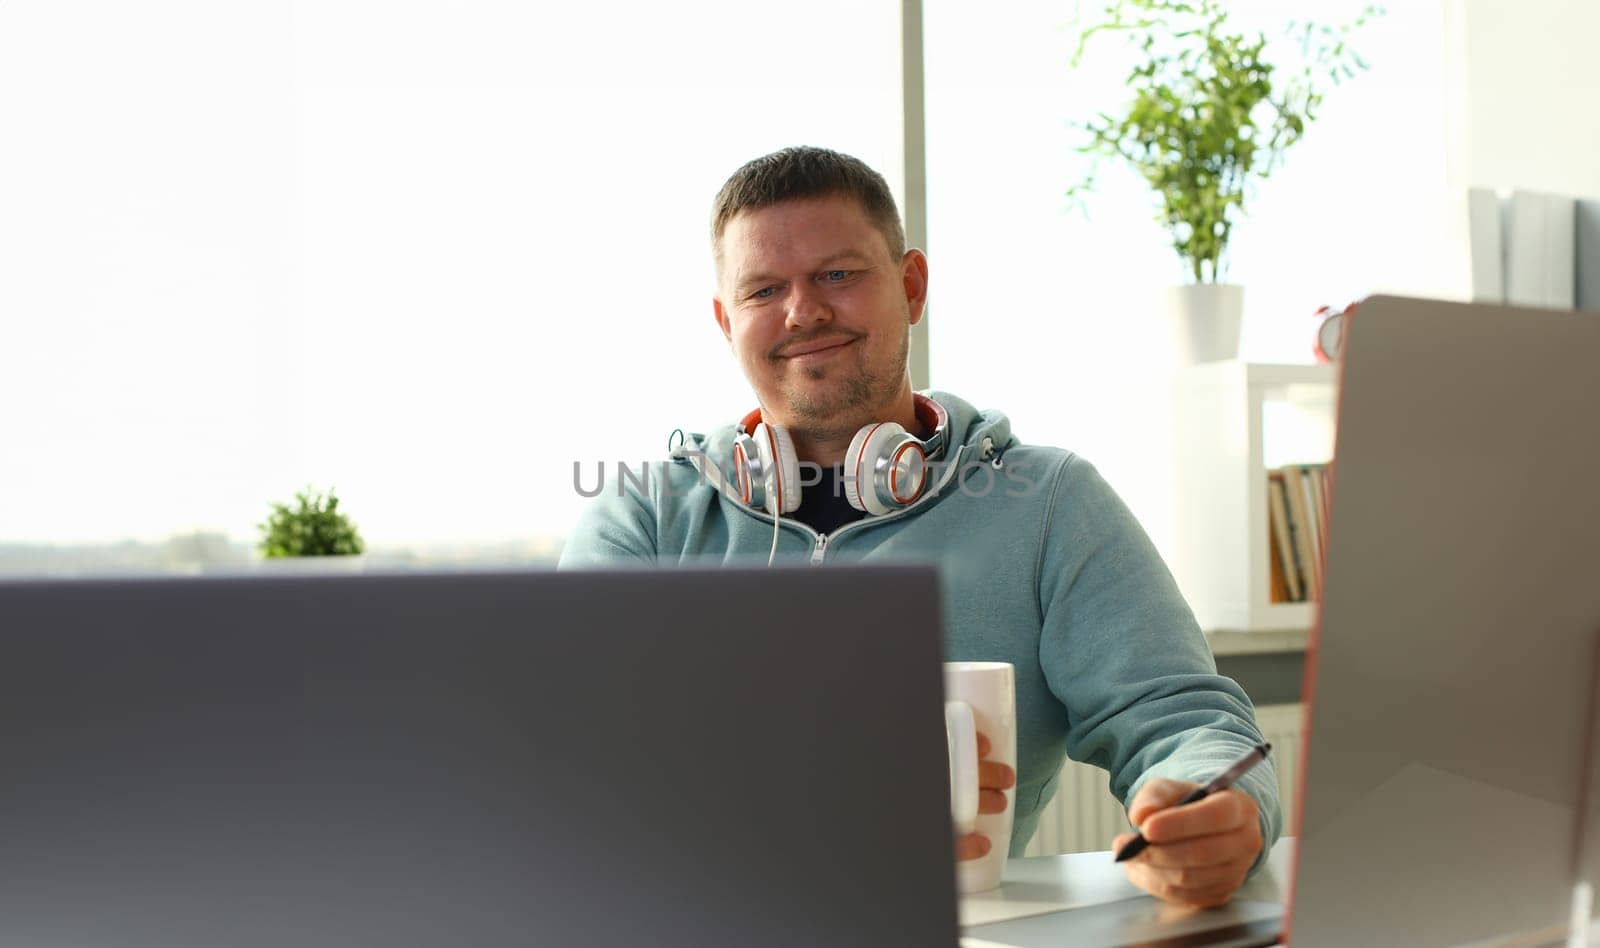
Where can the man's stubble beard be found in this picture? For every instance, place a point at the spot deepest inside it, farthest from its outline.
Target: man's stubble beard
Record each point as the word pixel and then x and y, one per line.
pixel 848 406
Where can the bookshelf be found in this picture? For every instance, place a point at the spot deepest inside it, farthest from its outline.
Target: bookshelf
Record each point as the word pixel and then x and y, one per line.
pixel 1233 421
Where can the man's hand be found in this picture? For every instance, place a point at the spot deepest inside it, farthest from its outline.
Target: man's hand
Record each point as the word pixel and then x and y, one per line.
pixel 993 778
pixel 1199 852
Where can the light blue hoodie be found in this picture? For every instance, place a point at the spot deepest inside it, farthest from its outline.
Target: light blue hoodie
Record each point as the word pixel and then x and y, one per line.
pixel 1042 566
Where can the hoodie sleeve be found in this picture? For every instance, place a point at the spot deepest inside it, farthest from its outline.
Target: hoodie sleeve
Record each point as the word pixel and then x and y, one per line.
pixel 618 528
pixel 1122 651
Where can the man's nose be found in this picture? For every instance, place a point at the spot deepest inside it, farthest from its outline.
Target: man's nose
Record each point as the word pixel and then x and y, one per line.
pixel 807 307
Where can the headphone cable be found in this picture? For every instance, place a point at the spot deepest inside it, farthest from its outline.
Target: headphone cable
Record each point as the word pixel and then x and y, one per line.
pixel 774 554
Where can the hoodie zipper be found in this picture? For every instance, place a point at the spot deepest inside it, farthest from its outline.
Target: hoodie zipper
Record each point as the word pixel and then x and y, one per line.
pixel 821 549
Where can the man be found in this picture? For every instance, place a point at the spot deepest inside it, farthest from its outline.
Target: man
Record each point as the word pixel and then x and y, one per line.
pixel 1043 566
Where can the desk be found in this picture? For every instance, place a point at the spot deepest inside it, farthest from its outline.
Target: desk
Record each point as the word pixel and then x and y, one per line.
pixel 1084 899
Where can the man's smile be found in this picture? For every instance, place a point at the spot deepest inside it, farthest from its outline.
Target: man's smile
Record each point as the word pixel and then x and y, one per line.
pixel 817 349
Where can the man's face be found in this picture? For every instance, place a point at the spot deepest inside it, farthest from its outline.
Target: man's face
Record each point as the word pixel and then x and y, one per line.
pixel 817 311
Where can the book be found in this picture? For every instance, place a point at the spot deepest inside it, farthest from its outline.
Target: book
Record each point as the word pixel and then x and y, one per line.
pixel 1277 579
pixel 1308 493
pixel 1319 514
pixel 1486 229
pixel 1541 236
pixel 1283 561
pixel 1327 504
pixel 1301 531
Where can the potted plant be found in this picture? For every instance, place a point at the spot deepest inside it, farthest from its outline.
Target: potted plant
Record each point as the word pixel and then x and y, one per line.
pixel 1211 116
pixel 312 527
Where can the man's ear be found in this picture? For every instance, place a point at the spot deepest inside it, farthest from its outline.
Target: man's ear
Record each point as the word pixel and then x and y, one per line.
pixel 914 279
pixel 722 319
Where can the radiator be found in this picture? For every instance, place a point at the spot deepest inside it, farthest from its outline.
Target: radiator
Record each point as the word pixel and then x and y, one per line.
pixel 1084 816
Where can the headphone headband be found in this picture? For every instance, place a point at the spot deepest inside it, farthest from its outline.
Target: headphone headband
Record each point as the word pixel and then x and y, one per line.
pixel 931 414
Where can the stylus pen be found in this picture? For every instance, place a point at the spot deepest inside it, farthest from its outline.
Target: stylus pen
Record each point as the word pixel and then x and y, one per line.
pixel 1219 783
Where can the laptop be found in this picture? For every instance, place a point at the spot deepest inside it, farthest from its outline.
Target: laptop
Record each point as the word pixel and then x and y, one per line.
pixel 487 759
pixel 1451 677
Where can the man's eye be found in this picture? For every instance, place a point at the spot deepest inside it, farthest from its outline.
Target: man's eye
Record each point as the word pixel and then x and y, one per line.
pixel 765 293
pixel 836 276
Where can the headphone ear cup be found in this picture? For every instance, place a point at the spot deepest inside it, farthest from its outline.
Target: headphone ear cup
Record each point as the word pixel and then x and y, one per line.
pixel 749 471
pixel 861 464
pixel 782 466
pixel 852 459
pixel 789 464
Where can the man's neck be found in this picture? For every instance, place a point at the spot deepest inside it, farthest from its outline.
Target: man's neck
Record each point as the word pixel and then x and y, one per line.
pixel 827 447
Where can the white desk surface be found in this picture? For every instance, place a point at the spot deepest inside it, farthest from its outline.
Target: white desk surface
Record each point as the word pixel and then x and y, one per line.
pixel 1085 899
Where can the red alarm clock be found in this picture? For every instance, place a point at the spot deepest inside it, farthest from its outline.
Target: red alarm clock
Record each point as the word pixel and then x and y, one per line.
pixel 1330 333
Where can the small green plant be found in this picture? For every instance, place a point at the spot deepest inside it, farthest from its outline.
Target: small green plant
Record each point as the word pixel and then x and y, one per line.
pixel 312 527
pixel 1210 115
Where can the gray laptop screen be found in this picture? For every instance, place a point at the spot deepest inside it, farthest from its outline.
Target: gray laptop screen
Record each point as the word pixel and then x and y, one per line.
pixel 480 759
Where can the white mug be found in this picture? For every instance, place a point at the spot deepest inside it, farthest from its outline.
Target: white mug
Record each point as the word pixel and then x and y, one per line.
pixel 980 697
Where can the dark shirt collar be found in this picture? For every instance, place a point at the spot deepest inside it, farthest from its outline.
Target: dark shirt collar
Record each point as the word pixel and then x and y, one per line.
pixel 823 506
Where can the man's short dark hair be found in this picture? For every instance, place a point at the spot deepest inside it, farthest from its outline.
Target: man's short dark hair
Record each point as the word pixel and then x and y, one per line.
pixel 807 172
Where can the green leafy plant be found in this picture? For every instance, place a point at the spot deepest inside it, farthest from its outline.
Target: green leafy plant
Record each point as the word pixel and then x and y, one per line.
pixel 312 527
pixel 1210 115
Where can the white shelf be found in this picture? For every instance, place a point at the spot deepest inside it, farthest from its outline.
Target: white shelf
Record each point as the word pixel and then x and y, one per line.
pixel 1233 421
pixel 1262 642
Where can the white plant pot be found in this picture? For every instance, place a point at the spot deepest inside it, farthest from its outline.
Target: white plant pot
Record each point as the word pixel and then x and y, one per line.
pixel 1206 318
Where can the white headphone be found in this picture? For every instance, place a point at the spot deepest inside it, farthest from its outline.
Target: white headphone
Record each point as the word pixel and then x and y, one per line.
pixel 885 468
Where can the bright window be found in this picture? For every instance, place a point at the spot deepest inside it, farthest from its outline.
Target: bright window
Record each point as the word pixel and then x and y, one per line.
pixel 432 254
pixel 428 253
